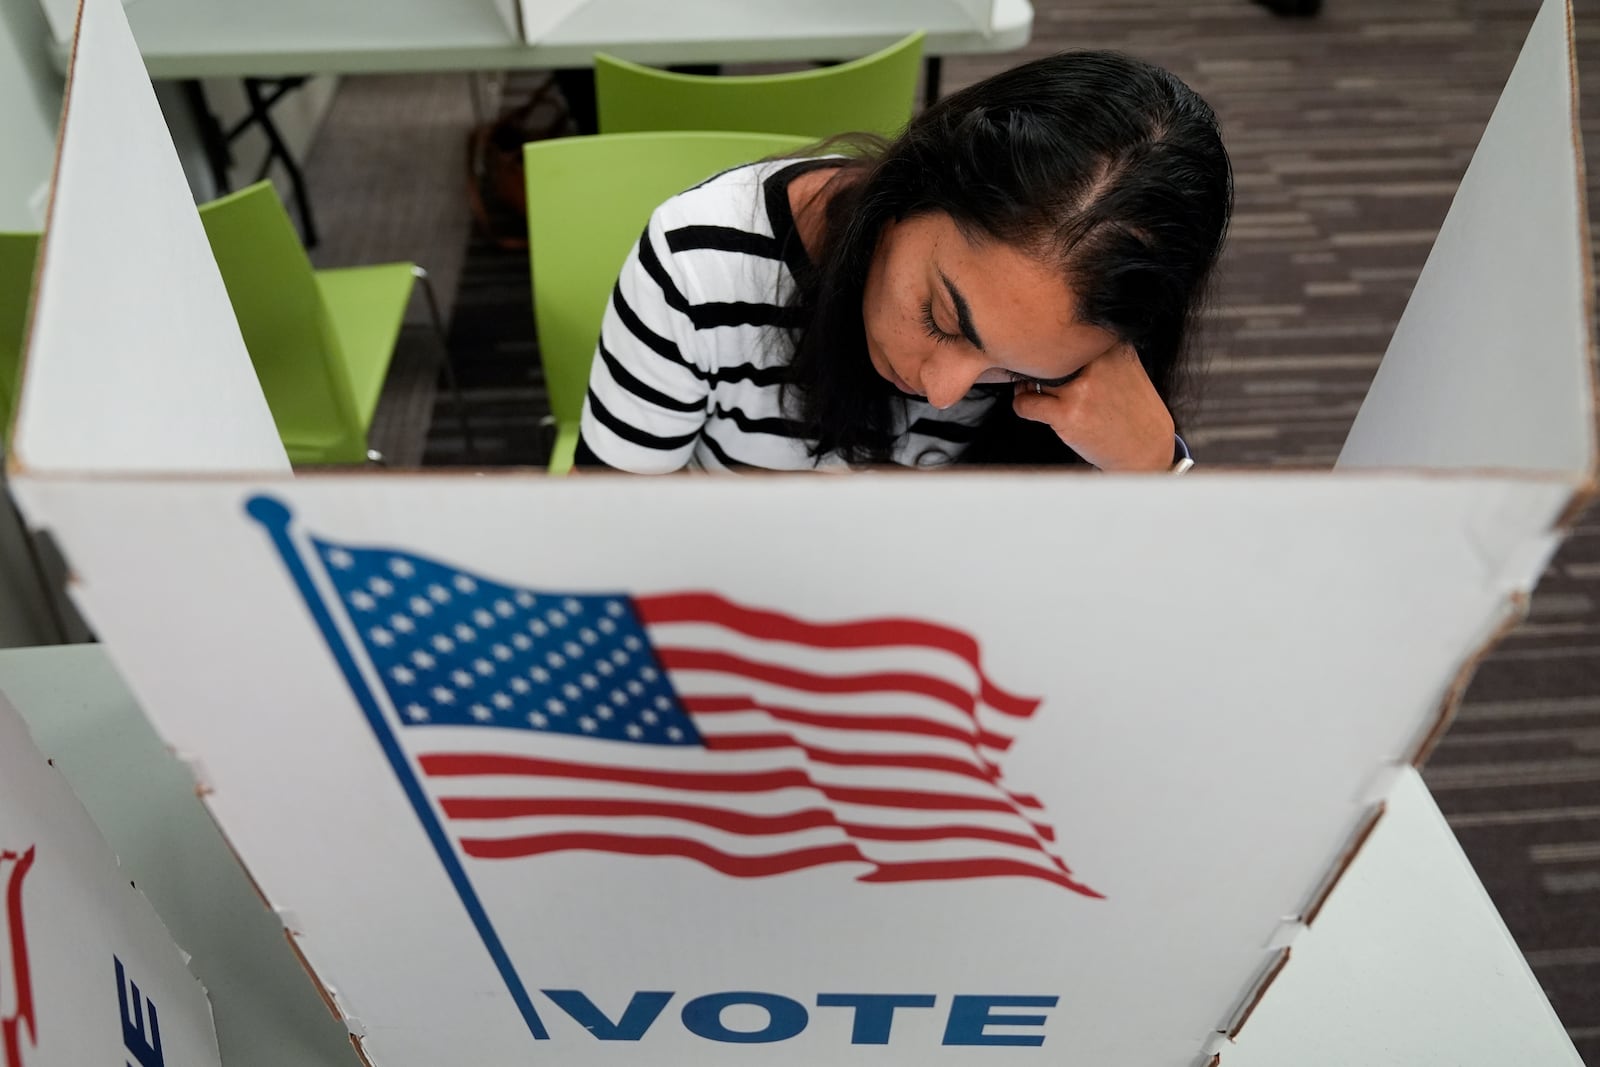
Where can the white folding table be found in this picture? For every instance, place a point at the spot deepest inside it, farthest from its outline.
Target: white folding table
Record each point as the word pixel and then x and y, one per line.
pixel 274 45
pixel 278 38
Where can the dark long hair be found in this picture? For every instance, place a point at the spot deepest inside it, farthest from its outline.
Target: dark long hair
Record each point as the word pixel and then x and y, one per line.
pixel 1109 168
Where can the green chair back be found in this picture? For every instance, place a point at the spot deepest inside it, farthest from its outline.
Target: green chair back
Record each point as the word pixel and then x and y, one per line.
pixel 285 325
pixel 588 200
pixel 17 254
pixel 874 94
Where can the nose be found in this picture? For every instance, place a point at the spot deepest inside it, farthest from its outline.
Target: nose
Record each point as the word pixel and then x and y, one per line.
pixel 949 374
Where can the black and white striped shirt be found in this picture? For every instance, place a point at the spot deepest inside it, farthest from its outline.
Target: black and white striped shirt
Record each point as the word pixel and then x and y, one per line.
pixel 693 348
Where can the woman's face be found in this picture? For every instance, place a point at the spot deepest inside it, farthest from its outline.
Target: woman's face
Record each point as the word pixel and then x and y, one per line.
pixel 943 314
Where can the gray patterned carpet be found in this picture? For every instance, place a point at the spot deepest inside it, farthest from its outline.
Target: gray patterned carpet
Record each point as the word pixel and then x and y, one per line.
pixel 1349 133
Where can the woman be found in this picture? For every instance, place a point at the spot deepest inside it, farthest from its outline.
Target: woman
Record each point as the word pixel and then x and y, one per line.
pixel 1012 280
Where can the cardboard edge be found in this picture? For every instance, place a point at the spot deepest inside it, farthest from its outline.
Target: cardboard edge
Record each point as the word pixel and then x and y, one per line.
pixel 1516 610
pixel 361 1051
pixel 1330 882
pixel 1256 991
pixel 203 792
pixel 15 466
pixel 325 994
pixel 1263 983
pixel 1467 474
pixel 1517 604
pixel 1591 477
pixel 1257 988
pixel 1582 497
pixel 291 937
pixel 305 965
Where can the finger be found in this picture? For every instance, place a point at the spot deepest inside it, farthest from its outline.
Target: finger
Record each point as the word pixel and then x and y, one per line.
pixel 1037 407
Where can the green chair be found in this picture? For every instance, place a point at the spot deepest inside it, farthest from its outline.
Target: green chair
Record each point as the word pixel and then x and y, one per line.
pixel 17 254
pixel 321 340
pixel 588 200
pixel 874 94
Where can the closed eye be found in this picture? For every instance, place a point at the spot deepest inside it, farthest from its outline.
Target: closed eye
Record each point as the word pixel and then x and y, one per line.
pixel 1043 382
pixel 931 326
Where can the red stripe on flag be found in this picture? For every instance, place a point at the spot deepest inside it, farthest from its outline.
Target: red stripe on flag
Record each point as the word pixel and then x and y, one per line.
pixel 764 866
pixel 916 800
pixel 460 764
pixel 904 724
pixel 941 833
pixel 866 633
pixel 734 866
pixel 695 659
pixel 945 870
pixel 467 763
pixel 733 822
pixel 944 764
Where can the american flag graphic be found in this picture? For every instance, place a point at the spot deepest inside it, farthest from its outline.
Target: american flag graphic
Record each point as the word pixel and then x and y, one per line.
pixel 687 725
pixel 16 981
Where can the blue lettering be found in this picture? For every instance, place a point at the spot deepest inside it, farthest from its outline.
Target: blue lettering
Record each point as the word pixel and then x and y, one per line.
pixel 641 1011
pixel 972 1018
pixel 785 1017
pixel 969 1015
pixel 874 1012
pixel 143 1047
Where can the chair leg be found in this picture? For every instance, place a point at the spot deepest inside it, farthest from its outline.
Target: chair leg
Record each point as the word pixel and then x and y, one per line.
pixel 480 108
pixel 444 358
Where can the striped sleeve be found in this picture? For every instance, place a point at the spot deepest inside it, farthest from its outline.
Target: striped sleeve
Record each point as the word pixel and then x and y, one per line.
pixel 648 396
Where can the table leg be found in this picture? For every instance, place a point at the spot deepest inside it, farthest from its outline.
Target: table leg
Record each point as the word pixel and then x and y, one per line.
pixel 932 72
pixel 261 115
pixel 212 138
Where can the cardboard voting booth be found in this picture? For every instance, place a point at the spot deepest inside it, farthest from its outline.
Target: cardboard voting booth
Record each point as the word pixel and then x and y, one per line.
pixel 890 768
pixel 88 974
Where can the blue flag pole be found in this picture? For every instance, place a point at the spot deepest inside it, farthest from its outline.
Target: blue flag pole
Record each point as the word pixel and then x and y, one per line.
pixel 275 518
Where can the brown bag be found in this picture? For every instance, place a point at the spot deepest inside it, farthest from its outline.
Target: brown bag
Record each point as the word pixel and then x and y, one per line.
pixel 495 189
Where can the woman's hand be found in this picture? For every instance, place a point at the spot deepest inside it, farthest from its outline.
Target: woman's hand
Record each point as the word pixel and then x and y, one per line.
pixel 1110 414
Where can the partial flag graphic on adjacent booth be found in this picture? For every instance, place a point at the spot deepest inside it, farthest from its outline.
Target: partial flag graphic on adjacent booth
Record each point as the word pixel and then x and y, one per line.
pixel 17 1022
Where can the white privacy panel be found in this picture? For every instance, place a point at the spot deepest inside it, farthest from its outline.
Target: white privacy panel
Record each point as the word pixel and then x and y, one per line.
pixel 954 739
pixel 1491 365
pixel 134 360
pixel 88 974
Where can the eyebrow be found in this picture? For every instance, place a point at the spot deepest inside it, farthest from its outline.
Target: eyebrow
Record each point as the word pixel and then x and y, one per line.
pixel 963 313
pixel 970 332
